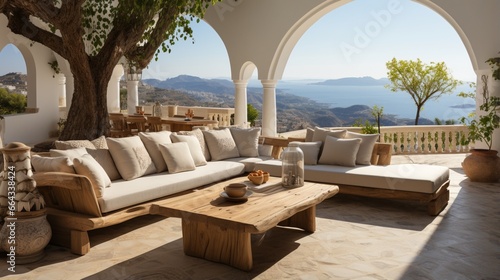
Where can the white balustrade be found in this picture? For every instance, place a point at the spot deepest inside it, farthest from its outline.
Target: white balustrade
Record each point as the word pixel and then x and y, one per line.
pixel 422 139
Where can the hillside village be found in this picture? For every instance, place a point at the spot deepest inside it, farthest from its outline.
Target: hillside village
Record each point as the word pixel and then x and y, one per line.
pixel 14 82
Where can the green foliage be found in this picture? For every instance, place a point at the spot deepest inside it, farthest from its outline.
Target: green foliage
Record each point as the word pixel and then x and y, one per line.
pixel 377 113
pixel 11 103
pixel 421 81
pixel 494 62
pixel 438 121
pixel 100 16
pixel 55 66
pixel 366 128
pixel 123 99
pixel 471 94
pixel 482 128
pixel 252 114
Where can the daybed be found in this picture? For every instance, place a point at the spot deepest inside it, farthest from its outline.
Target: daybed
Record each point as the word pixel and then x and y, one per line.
pixel 366 171
pixel 149 167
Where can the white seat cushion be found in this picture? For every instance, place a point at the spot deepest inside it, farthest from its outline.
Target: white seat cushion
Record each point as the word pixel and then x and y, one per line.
pixel 127 193
pixel 422 178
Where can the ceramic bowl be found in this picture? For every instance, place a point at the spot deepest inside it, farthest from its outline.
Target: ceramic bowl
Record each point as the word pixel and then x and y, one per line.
pixel 236 190
pixel 256 179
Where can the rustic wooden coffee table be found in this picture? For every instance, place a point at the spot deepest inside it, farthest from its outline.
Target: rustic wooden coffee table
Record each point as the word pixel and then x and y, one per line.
pixel 219 230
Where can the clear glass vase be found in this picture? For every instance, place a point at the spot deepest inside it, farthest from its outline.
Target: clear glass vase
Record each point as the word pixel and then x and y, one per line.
pixel 157 109
pixel 292 175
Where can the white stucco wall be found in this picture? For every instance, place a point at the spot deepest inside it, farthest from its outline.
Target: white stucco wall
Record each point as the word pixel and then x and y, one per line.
pixel 31 128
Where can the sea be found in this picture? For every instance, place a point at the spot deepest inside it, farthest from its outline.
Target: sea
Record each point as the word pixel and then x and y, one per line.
pixel 400 104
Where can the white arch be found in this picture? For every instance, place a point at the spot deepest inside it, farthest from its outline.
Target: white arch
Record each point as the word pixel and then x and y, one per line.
pixel 297 30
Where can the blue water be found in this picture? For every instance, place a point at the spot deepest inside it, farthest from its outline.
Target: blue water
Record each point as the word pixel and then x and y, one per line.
pixel 394 103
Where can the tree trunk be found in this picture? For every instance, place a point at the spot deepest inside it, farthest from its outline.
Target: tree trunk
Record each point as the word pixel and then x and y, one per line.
pixel 88 114
pixel 418 115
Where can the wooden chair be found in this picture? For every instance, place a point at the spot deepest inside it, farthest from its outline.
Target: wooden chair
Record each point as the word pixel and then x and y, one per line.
pixel 118 124
pixel 155 124
pixel 136 124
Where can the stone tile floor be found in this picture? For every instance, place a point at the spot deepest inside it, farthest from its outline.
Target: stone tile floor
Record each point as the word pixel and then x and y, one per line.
pixel 356 238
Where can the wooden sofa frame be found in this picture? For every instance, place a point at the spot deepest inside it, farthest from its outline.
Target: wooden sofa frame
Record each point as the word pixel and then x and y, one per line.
pixel 73 210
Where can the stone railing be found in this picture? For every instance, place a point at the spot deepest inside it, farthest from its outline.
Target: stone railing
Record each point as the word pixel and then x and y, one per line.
pixel 421 139
pixel 425 139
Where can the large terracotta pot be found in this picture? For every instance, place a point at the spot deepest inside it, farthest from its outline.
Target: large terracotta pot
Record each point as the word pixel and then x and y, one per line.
pixel 482 166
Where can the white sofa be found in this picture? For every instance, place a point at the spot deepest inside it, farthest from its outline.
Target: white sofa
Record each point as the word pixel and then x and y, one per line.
pixel 363 168
pixel 94 184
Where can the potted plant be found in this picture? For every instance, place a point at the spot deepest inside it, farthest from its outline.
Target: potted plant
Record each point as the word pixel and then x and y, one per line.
pixel 483 165
pixel 25 231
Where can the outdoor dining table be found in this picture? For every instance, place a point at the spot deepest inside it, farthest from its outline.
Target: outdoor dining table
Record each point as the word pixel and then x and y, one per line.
pixel 182 124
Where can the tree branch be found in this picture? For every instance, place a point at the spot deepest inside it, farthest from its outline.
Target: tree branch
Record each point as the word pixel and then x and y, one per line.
pixel 20 23
pixel 143 54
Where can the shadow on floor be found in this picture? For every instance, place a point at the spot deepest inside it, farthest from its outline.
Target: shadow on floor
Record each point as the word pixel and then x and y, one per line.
pixel 399 214
pixel 170 262
pixel 465 244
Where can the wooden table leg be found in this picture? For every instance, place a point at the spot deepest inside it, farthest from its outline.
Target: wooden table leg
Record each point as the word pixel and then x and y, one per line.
pixel 305 220
pixel 214 243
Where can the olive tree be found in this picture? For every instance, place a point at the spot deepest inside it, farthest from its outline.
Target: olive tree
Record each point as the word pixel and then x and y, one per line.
pixel 421 81
pixel 93 35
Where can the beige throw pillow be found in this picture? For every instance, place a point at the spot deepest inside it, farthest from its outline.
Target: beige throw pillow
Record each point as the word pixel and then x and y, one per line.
pixel 71 153
pixel 198 133
pixel 98 143
pixel 321 133
pixel 364 155
pixel 221 144
pixel 247 140
pixel 152 141
pixel 175 157
pixel 340 151
pixel 311 151
pixel 194 148
pixel 309 134
pixel 131 157
pixel 86 165
pixel 52 164
pixel 103 157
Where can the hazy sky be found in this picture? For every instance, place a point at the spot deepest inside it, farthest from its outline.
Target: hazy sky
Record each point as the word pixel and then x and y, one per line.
pixel 351 41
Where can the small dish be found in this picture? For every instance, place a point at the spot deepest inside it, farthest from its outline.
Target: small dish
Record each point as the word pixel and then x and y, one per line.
pixel 236 199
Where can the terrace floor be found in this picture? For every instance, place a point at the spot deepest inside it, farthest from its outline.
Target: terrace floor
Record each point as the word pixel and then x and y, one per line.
pixel 356 238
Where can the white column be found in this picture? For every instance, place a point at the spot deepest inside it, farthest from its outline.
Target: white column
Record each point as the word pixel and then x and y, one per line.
pixel 240 103
pixel 269 121
pixel 113 95
pixel 70 89
pixel 132 96
pixel 61 89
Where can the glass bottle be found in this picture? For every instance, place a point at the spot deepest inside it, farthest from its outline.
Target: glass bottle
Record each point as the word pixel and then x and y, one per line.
pixel 157 109
pixel 292 175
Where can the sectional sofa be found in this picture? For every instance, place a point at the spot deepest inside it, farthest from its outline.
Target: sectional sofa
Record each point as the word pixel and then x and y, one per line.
pixel 93 184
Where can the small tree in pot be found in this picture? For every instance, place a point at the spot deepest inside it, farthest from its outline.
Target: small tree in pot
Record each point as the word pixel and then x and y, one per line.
pixel 483 165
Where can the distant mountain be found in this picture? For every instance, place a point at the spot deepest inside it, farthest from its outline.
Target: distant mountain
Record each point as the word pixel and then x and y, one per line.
pixel 354 81
pixel 192 83
pixel 293 112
